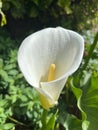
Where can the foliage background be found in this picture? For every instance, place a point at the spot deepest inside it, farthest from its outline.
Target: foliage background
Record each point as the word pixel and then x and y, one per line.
pixel 32 15
pixel 19 103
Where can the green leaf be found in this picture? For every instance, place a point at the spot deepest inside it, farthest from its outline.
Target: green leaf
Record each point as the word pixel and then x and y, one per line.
pixel 13 72
pixel 4 75
pixel 1 63
pixel 48 121
pixel 8 126
pixel 10 66
pixel 23 98
pixel 89 102
pixel 3 18
pixel 78 93
pixel 51 122
pixel 65 4
pixel 33 12
pixel 70 122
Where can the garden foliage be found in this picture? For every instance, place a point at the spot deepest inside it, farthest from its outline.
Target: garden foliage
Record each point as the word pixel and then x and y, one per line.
pixel 19 103
pixel 28 15
pixel 20 108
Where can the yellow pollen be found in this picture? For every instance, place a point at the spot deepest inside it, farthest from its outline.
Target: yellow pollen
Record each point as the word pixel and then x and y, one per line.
pixel 51 74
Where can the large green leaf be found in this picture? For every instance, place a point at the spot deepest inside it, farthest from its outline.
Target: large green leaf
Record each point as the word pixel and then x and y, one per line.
pixel 89 102
pixel 78 93
pixel 69 121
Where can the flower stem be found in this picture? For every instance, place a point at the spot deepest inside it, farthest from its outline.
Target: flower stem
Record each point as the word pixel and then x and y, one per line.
pixel 48 121
pixel 67 92
pixel 15 121
pixel 90 54
pixel 44 119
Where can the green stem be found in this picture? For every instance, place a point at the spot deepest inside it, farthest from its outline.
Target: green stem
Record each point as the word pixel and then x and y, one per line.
pixel 90 53
pixel 67 93
pixel 44 119
pixel 15 121
pixel 48 121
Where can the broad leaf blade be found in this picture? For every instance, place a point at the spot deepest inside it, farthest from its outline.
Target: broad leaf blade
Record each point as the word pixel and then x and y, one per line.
pixel 70 122
pixel 78 93
pixel 89 102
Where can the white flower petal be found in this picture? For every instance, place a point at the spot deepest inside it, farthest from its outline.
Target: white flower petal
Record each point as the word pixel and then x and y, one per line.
pixel 68 61
pixel 39 50
pixel 58 46
pixel 54 88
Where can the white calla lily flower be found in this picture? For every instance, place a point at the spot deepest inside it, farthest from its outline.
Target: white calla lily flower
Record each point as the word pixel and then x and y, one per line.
pixel 47 58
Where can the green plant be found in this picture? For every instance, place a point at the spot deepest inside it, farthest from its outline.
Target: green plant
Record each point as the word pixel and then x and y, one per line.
pixel 23 16
pixel 20 108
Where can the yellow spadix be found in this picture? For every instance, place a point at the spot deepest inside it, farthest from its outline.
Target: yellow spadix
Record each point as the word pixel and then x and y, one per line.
pixel 51 76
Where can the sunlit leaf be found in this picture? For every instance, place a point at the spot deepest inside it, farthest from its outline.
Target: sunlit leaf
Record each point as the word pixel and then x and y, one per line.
pixel 89 102
pixel 8 126
pixel 70 122
pixel 78 93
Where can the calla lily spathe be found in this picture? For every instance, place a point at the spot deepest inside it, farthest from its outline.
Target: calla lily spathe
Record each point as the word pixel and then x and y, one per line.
pixel 61 47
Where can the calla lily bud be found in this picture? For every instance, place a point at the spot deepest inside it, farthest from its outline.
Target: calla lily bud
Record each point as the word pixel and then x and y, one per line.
pixel 47 58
